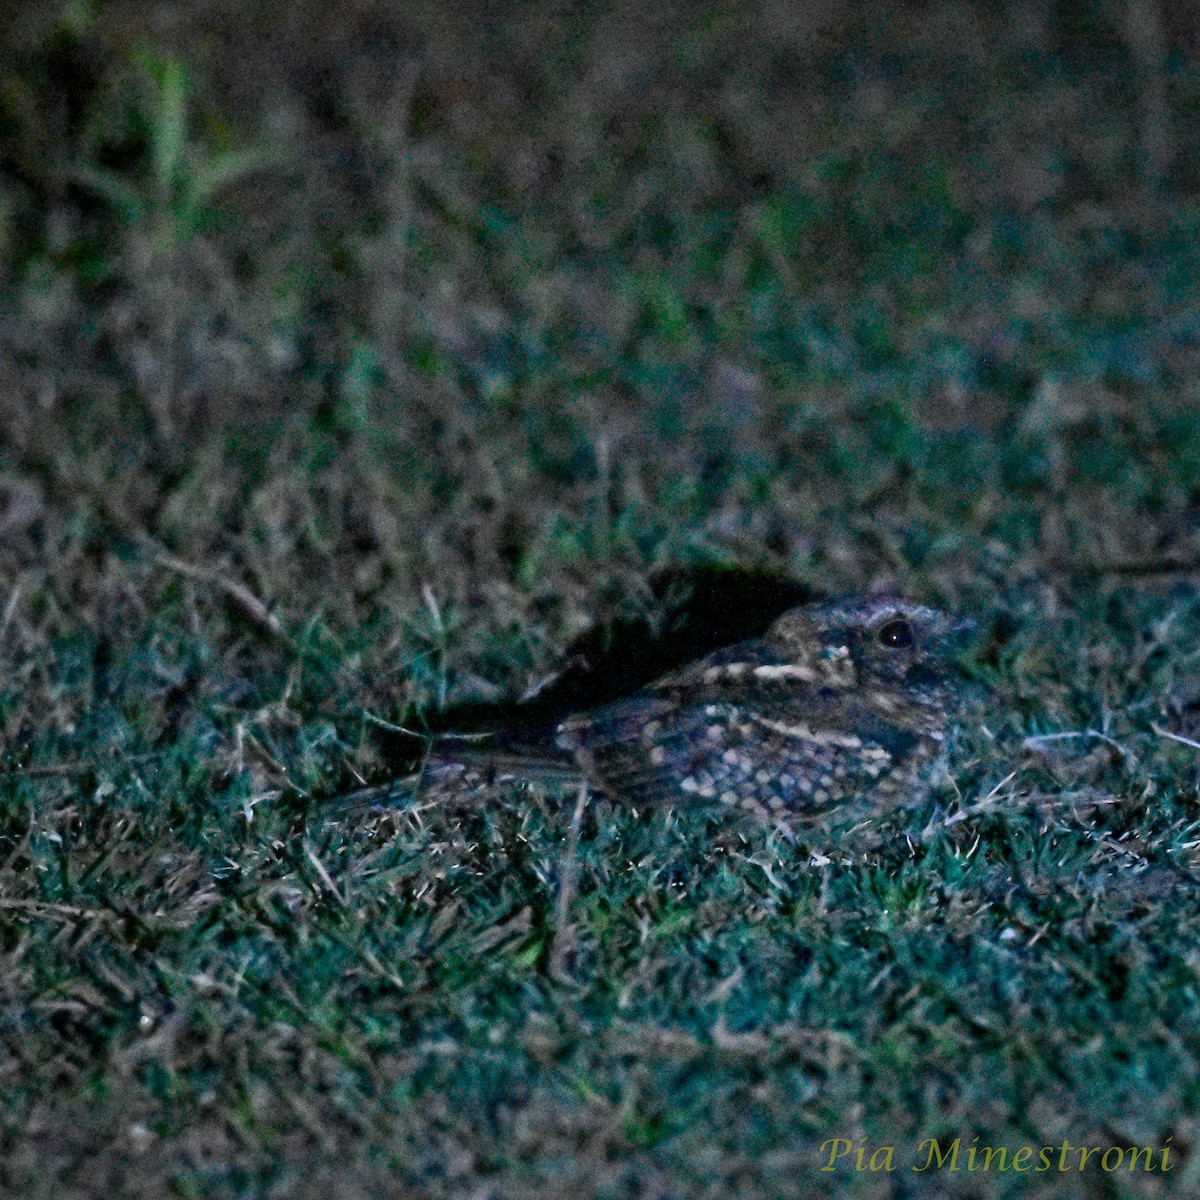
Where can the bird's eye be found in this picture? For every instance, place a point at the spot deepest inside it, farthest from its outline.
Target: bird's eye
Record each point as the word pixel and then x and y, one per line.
pixel 896 635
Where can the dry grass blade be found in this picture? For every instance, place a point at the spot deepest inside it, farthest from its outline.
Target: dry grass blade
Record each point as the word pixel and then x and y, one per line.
pixel 564 934
pixel 252 606
pixel 53 770
pixel 1175 737
pixel 325 877
pixel 1036 741
pixel 58 910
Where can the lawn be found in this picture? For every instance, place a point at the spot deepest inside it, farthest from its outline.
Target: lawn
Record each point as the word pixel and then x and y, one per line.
pixel 354 363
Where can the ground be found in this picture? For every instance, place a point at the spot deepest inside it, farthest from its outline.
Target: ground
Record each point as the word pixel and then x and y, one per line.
pixel 356 360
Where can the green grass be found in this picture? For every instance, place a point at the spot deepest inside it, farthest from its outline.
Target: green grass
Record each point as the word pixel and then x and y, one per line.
pixel 353 364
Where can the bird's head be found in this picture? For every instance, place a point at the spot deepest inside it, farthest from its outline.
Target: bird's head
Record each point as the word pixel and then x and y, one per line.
pixel 881 639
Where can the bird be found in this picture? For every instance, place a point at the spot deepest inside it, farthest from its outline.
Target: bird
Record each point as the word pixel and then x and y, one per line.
pixel 855 700
pixel 851 703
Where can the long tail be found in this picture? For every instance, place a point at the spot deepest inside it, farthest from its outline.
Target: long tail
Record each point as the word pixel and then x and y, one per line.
pixel 458 772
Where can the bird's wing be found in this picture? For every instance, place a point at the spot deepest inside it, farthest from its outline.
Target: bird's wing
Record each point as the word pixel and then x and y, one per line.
pixel 641 747
pixel 742 727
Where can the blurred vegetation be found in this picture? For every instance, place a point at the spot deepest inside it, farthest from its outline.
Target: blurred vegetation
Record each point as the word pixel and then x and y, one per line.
pixel 355 359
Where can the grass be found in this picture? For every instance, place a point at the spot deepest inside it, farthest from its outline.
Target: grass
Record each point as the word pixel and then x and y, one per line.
pixel 353 367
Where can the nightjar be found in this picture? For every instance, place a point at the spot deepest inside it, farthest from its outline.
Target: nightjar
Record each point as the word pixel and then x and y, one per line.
pixel 839 704
pixel 850 701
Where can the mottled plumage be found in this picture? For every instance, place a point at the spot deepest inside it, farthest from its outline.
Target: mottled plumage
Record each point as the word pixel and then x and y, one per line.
pixel 836 702
pixel 850 702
